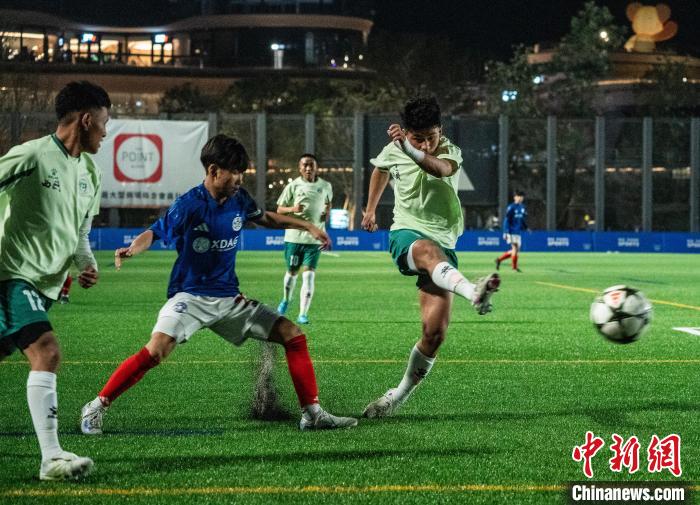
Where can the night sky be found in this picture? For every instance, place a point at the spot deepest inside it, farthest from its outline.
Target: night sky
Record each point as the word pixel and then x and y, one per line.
pixel 493 26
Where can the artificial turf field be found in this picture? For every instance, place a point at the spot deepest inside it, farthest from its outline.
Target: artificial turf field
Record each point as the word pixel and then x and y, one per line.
pixel 496 420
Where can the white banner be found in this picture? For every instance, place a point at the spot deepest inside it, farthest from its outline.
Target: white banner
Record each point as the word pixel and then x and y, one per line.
pixel 150 163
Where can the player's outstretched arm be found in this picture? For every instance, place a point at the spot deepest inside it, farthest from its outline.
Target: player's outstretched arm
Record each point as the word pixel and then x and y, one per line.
pixel 138 245
pixel 377 185
pixel 290 210
pixel 275 220
pixel 435 166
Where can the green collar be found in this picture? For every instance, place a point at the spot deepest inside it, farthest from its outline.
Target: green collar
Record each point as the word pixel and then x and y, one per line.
pixel 62 147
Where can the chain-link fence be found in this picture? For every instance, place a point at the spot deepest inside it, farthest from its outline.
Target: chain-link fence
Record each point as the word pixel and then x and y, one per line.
pixel 632 174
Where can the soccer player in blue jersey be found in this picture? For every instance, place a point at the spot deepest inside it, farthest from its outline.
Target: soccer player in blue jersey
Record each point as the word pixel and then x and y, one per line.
pixel 513 225
pixel 205 225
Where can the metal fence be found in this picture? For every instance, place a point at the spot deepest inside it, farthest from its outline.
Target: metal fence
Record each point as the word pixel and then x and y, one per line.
pixel 626 174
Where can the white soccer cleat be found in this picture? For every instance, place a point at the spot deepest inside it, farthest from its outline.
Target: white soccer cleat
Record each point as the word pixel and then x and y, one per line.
pixel 65 466
pixel 91 417
pixel 384 406
pixel 325 421
pixel 483 290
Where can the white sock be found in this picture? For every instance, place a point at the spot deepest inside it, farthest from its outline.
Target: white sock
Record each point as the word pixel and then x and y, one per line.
pixel 43 406
pixel 418 367
pixel 307 291
pixel 449 278
pixel 290 282
pixel 313 410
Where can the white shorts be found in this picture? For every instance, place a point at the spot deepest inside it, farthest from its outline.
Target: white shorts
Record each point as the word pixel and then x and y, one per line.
pixel 513 239
pixel 232 318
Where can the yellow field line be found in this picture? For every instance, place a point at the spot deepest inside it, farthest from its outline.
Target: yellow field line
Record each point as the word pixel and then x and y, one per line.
pixel 242 490
pixel 662 361
pixel 586 290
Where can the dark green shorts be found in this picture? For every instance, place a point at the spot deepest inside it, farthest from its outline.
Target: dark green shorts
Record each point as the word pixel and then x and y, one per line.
pixel 399 243
pixel 23 315
pixel 298 255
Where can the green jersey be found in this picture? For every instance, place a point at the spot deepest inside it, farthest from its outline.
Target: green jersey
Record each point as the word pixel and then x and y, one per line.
pixel 314 197
pixel 45 195
pixel 422 202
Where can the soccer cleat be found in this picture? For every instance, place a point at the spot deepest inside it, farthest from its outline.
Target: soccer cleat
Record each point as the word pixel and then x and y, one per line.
pixel 325 421
pixel 484 289
pixel 91 417
pixel 65 466
pixel 384 406
pixel 498 264
pixel 518 270
pixel 282 307
pixel 302 319
pixel 63 299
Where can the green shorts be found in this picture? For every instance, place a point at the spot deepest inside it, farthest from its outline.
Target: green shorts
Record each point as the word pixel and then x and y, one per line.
pixel 296 255
pixel 399 243
pixel 23 315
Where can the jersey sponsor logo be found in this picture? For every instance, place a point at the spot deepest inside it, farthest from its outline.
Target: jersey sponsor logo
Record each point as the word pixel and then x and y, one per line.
pixel 180 307
pixel 224 244
pixel 201 244
pixel 138 157
pixel 52 181
pixel 202 227
pixel 237 223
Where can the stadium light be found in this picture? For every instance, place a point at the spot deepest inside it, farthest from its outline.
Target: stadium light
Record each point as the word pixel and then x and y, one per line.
pixel 160 38
pixel 604 35
pixel 509 95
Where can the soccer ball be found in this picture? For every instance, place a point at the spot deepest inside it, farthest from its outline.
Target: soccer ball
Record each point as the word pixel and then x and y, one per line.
pixel 621 314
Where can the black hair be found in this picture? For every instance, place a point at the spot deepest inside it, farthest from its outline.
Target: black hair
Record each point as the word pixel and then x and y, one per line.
pixel 519 192
pixel 79 96
pixel 421 112
pixel 309 155
pixel 225 152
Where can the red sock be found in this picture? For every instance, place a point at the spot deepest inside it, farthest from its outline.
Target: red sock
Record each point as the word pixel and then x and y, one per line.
pixel 504 256
pixel 302 370
pixel 515 262
pixel 66 285
pixel 127 374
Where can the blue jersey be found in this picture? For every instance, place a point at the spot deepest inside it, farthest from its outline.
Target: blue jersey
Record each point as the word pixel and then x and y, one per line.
pixel 206 235
pixel 515 221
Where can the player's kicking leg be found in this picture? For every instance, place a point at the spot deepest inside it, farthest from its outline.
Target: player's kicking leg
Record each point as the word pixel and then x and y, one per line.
pixel 56 464
pixel 436 304
pixel 301 370
pixel 125 376
pixel 425 256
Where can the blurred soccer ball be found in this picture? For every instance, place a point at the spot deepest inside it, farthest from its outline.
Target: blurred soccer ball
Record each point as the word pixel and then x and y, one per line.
pixel 621 314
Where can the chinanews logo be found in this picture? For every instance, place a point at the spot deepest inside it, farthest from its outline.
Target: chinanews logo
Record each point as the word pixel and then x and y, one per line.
pixel 138 157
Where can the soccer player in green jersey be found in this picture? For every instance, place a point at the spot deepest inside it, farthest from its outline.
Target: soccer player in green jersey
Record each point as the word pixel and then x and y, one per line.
pixel 49 192
pixel 308 197
pixel 427 222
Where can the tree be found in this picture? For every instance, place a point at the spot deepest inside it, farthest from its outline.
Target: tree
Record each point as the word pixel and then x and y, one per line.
pixel 565 85
pixel 186 98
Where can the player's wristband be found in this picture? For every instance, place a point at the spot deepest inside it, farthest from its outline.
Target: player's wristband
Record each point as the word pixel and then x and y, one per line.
pixel 415 154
